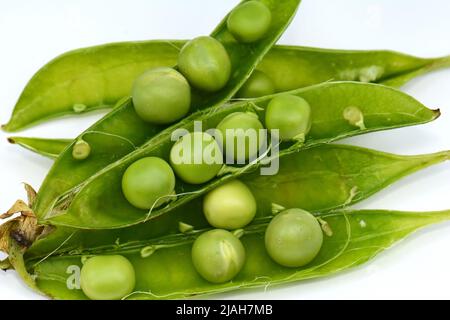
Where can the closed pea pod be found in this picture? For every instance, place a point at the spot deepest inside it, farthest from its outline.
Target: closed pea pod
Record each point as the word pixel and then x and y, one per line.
pixel 205 63
pixel 258 85
pixel 240 132
pixel 230 206
pixel 289 67
pixel 250 21
pixel 109 277
pixel 293 238
pixel 291 115
pixel 161 96
pixel 218 255
pixel 196 157
pixel 148 183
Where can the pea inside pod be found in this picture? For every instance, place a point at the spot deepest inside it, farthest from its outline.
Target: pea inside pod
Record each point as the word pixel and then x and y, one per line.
pixel 290 115
pixel 250 21
pixel 218 255
pixel 148 183
pixel 196 157
pixel 230 206
pixel 258 85
pixel 205 63
pixel 241 136
pixel 293 238
pixel 109 277
pixel 161 96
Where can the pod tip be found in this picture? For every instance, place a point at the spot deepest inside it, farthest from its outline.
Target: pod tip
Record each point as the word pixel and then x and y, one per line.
pixel 11 140
pixel 437 113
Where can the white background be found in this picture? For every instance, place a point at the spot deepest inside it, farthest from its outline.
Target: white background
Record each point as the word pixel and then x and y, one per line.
pixel 33 32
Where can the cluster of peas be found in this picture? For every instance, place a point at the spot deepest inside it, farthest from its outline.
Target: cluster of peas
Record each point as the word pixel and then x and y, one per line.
pixel 162 96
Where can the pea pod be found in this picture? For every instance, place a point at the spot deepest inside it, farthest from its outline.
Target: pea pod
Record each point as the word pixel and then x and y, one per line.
pixel 358 236
pixel 50 148
pixel 344 175
pixel 98 77
pixel 108 78
pixel 383 108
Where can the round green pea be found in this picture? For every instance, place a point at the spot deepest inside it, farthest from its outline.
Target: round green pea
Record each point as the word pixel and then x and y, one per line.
pixel 107 277
pixel 196 158
pixel 293 238
pixel 249 21
pixel 258 85
pixel 230 206
pixel 240 132
pixel 205 63
pixel 147 182
pixel 218 255
pixel 161 96
pixel 291 115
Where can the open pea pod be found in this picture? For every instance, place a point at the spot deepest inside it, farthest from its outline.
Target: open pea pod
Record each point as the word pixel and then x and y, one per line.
pixel 319 179
pixel 105 79
pixel 98 202
pixel 357 237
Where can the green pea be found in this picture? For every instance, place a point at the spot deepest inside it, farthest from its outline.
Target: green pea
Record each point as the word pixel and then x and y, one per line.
pixel 107 277
pixel 218 255
pixel 291 115
pixel 205 63
pixel 240 132
pixel 196 158
pixel 81 150
pixel 293 238
pixel 161 96
pixel 230 206
pixel 258 85
pixel 250 21
pixel 147 181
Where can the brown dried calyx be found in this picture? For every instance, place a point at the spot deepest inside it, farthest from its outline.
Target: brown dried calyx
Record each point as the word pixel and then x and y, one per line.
pixel 24 229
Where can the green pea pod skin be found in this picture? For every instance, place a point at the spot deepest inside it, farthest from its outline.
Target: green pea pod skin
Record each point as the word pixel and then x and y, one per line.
pixel 50 148
pixel 344 175
pixel 98 202
pixel 400 79
pixel 358 236
pixel 296 67
pixel 107 72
